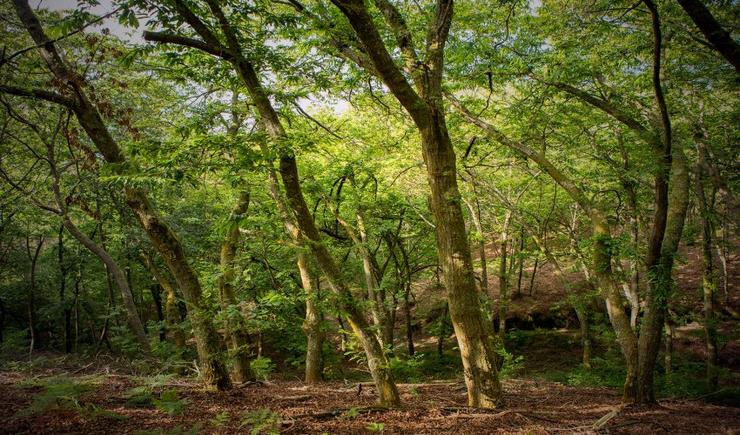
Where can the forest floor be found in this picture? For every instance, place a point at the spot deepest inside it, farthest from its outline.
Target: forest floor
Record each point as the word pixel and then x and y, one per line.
pixel 105 403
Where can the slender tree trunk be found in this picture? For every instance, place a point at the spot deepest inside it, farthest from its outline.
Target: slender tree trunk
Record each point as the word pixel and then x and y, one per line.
pixel 312 324
pixel 520 265
pixel 475 214
pixel 582 314
pixel 156 290
pixel 236 334
pixel 172 317
pixel 661 279
pixel 409 325
pixel 503 276
pixel 76 305
pixel 709 282
pixel 119 277
pixel 66 309
pixel 534 274
pixel 442 331
pixel 632 290
pixel 31 301
pixel 669 332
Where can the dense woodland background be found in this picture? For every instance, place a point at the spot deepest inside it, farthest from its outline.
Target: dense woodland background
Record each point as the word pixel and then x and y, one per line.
pixel 493 204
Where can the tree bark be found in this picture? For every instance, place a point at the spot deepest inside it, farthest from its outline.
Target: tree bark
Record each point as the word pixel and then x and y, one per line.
pixel 312 324
pixel 236 334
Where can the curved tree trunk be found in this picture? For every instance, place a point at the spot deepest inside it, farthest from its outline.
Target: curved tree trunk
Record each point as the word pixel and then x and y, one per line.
pixel 132 315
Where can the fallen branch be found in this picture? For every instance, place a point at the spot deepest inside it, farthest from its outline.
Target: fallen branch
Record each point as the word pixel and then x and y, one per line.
pixel 339 412
pixel 600 423
pixel 296 398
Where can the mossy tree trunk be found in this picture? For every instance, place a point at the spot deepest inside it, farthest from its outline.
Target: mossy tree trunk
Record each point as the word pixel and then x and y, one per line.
pixel 236 334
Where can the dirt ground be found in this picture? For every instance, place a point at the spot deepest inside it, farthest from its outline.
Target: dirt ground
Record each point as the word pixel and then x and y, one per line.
pixel 433 408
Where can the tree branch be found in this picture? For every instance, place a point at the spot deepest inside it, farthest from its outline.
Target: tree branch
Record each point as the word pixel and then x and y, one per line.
pixel 170 38
pixel 38 94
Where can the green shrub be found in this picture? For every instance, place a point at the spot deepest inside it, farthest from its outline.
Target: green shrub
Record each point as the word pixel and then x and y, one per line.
pixel 262 421
pixel 60 392
pixel 262 367
pixel 170 402
pixel 221 419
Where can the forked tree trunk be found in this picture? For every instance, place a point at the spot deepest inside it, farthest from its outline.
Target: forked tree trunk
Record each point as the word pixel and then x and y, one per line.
pixel 661 277
pixel 424 105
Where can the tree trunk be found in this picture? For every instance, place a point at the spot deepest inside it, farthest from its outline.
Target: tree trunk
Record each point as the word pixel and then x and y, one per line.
pixel 475 215
pixel 520 261
pixel 424 105
pixel 31 301
pixel 172 318
pixel 503 276
pixel 632 290
pixel 212 369
pixel 626 338
pixel 709 282
pixel 661 280
pixel 534 274
pixel 236 334
pixel 312 324
pixel 442 331
pixel 156 290
pixel 668 361
pixel 582 314
pixel 66 309
pixel 376 358
pixel 407 315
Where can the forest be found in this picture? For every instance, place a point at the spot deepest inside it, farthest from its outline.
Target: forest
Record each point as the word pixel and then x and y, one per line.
pixel 369 216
